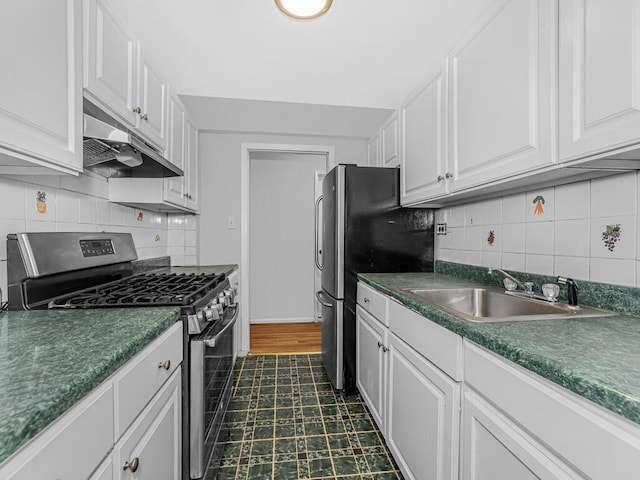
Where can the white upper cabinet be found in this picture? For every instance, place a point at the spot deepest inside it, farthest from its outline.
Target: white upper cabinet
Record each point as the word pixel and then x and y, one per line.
pixel 152 102
pixel 110 61
pixel 41 94
pixel 119 78
pixel 599 106
pixel 191 177
pixel 502 107
pixel 423 141
pixel 373 151
pixel 389 142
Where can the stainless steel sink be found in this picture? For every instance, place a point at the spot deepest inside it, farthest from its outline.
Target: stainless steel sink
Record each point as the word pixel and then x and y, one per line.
pixel 480 304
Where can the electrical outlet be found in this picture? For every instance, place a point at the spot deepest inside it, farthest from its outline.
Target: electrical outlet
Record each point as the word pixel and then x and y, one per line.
pixel 441 229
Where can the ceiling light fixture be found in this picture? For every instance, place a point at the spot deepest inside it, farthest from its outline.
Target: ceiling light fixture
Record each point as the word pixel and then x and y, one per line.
pixel 304 9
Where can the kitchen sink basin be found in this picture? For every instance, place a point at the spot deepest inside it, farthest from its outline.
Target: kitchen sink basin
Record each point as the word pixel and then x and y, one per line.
pixel 479 304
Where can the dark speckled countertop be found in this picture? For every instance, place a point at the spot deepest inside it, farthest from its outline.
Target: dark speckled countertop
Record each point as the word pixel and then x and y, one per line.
pixel 597 358
pixel 51 359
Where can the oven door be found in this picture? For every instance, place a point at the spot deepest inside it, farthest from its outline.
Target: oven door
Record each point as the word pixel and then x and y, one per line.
pixel 211 382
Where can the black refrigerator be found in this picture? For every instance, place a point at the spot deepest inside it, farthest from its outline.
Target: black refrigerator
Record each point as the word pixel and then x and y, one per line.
pixel 364 230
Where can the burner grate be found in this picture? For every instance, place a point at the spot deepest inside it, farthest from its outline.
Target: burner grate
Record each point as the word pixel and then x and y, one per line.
pixel 146 289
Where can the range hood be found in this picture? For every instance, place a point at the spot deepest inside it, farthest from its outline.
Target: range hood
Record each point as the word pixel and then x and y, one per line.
pixel 111 151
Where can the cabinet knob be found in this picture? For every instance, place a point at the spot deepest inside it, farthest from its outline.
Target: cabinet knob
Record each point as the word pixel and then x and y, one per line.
pixel 137 110
pixel 366 300
pixel 379 344
pixel 440 178
pixel 166 365
pixel 133 465
pixel 448 175
pixel 144 117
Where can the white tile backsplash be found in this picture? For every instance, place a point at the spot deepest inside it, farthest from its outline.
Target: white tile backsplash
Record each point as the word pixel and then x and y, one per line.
pixel 571 238
pixel 539 205
pixel 572 201
pixel 513 208
pixel 619 272
pixel 615 195
pixel 565 239
pixel 539 238
pixel 71 208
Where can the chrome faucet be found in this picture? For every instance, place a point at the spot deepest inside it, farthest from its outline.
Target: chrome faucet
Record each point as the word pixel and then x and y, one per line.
pixel 527 287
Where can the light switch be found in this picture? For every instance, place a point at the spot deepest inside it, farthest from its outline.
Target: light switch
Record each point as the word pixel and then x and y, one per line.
pixel 231 222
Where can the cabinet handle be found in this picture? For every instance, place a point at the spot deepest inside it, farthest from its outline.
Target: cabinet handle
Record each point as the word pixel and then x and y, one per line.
pixel 144 117
pixel 137 110
pixel 166 365
pixel 379 344
pixel 187 195
pixel 366 300
pixel 448 175
pixel 440 178
pixel 133 466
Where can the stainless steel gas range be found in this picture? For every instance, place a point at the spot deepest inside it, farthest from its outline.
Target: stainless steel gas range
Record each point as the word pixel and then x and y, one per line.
pixel 99 270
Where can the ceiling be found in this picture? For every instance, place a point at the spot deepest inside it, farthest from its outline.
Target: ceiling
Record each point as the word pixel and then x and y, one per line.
pixel 362 53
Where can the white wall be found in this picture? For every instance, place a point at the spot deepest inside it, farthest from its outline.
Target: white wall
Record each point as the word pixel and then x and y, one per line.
pixel 566 239
pixel 281 236
pixel 79 204
pixel 220 159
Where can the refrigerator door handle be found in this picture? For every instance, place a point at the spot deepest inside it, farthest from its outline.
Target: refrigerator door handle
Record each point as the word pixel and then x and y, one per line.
pixel 319 296
pixel 318 232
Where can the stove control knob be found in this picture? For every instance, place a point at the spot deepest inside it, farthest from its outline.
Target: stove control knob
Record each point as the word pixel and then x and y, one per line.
pixel 219 309
pixel 209 314
pixel 200 316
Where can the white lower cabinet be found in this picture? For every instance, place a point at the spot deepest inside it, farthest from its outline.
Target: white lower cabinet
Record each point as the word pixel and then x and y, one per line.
pixel 415 404
pixel 422 415
pixel 371 339
pixel 104 471
pixel 450 409
pixel 495 448
pixel 152 447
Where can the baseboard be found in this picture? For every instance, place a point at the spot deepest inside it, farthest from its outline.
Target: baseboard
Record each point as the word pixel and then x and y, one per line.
pixel 284 320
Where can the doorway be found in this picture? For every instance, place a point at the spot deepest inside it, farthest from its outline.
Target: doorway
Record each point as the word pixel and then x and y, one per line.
pixel 277 263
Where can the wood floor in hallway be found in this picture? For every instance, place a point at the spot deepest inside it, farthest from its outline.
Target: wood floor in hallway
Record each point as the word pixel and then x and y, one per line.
pixel 285 338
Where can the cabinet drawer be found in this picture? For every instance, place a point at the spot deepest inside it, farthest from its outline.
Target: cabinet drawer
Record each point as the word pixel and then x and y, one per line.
pixel 73 446
pixel 597 443
pixel 142 377
pixel 373 302
pixel 442 347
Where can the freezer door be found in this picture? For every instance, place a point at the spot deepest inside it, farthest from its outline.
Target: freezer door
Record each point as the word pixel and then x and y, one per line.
pixel 332 351
pixel 333 224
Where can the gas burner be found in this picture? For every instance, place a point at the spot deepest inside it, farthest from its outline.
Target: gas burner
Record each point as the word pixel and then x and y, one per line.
pixel 143 290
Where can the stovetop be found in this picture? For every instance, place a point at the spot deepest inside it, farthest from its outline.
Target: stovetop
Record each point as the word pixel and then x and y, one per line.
pixel 147 289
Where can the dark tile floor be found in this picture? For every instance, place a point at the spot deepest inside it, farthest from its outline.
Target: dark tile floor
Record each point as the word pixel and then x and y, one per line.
pixel 286 422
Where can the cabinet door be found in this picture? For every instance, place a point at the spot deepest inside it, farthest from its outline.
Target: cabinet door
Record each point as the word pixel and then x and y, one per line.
pixel 152 100
pixel 599 84
pixel 371 338
pixel 493 448
pixel 110 61
pixel 151 449
pixel 174 187
pixel 104 471
pixel 373 151
pixel 192 178
pixel 41 94
pixel 423 416
pixel 502 103
pixel 389 140
pixel 423 146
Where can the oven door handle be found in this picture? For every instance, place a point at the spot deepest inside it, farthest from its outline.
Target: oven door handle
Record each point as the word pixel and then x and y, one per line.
pixel 211 343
